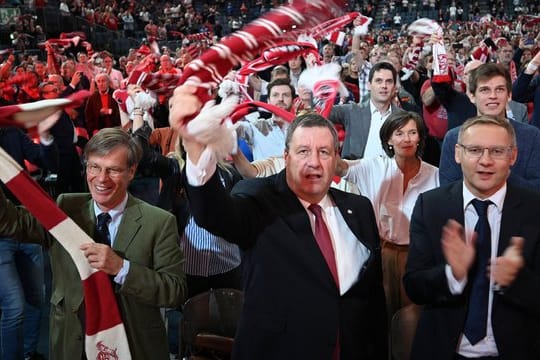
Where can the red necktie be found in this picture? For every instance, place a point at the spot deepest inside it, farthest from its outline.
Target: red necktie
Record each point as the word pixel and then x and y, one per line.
pixel 322 235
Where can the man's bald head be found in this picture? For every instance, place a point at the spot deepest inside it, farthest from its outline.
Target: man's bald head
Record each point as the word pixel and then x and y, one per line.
pixel 470 66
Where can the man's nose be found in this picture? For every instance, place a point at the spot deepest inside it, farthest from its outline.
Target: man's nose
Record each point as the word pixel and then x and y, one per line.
pixel 486 156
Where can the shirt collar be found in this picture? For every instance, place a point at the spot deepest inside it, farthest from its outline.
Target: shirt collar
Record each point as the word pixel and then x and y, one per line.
pixel 374 109
pixel 497 198
pixel 325 203
pixel 116 212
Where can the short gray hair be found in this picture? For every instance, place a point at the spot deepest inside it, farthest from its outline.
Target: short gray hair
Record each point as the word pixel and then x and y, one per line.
pixel 108 139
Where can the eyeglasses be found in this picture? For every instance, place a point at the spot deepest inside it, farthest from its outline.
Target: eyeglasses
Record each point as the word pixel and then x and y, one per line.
pixel 495 152
pixel 95 170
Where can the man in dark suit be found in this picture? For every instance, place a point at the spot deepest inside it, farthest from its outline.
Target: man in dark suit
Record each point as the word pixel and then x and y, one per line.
pixel 101 109
pixel 480 287
pixel 301 302
pixel 143 256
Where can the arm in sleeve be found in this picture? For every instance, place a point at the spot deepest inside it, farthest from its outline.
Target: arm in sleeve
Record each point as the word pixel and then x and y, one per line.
pixel 524 292
pixel 339 115
pixel 163 283
pixel 444 92
pixel 151 158
pixel 44 156
pixel 425 279
pixel 449 170
pixel 524 87
pixel 17 223
pixel 529 174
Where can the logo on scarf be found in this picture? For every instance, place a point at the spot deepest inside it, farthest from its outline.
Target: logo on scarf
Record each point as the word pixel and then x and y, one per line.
pixel 105 352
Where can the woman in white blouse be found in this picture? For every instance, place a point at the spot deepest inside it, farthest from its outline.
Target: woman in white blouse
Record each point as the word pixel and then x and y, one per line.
pixel 393 183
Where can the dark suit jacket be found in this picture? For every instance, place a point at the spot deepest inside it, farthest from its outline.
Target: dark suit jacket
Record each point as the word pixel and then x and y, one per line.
pixel 147 237
pixel 292 306
pixel 516 310
pixel 94 120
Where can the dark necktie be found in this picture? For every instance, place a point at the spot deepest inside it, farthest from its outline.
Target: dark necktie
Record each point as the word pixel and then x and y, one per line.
pixel 322 235
pixel 476 323
pixel 102 234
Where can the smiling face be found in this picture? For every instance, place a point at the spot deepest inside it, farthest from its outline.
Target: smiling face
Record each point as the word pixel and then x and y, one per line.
pixel 485 175
pixel 310 162
pixel 109 187
pixel 405 140
pixel 491 96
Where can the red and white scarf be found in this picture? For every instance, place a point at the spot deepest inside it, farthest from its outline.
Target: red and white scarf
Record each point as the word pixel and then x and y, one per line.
pixel 208 71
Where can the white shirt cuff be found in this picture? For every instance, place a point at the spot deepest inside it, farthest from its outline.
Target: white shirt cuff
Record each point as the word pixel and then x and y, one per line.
pixel 46 141
pixel 456 287
pixel 120 278
pixel 199 174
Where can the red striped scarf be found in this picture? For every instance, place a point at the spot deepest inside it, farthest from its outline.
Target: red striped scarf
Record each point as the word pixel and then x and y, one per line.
pixel 208 71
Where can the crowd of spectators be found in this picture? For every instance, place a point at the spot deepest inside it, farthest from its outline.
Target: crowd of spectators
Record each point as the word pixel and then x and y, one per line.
pixel 59 70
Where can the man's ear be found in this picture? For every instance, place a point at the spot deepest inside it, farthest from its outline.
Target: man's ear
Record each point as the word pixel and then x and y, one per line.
pixel 471 97
pixel 457 153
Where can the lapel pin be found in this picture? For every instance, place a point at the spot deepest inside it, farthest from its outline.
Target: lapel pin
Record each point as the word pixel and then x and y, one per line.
pixel 349 211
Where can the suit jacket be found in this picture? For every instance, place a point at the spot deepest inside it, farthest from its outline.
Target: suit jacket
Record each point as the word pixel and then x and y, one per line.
pixel 356 120
pixel 519 112
pixel 292 307
pixel 94 120
pixel 525 172
pixel 147 237
pixel 526 89
pixel 516 309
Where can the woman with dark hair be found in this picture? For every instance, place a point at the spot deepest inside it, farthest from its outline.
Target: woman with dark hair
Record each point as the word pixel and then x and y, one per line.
pixel 392 183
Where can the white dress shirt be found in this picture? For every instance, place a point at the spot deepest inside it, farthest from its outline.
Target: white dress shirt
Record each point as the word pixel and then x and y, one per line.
pixel 350 253
pixel 381 181
pixel 116 217
pixel 373 145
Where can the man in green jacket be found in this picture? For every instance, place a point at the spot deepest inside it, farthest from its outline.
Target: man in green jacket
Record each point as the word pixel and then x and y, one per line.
pixel 143 259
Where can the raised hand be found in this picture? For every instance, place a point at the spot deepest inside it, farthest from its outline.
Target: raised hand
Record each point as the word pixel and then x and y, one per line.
pixel 505 268
pixel 459 253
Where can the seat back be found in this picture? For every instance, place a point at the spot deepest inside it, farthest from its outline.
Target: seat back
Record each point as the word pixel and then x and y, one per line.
pixel 403 328
pixel 209 322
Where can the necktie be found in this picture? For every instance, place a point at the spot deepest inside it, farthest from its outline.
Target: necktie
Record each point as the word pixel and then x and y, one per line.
pixel 475 325
pixel 102 234
pixel 322 235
